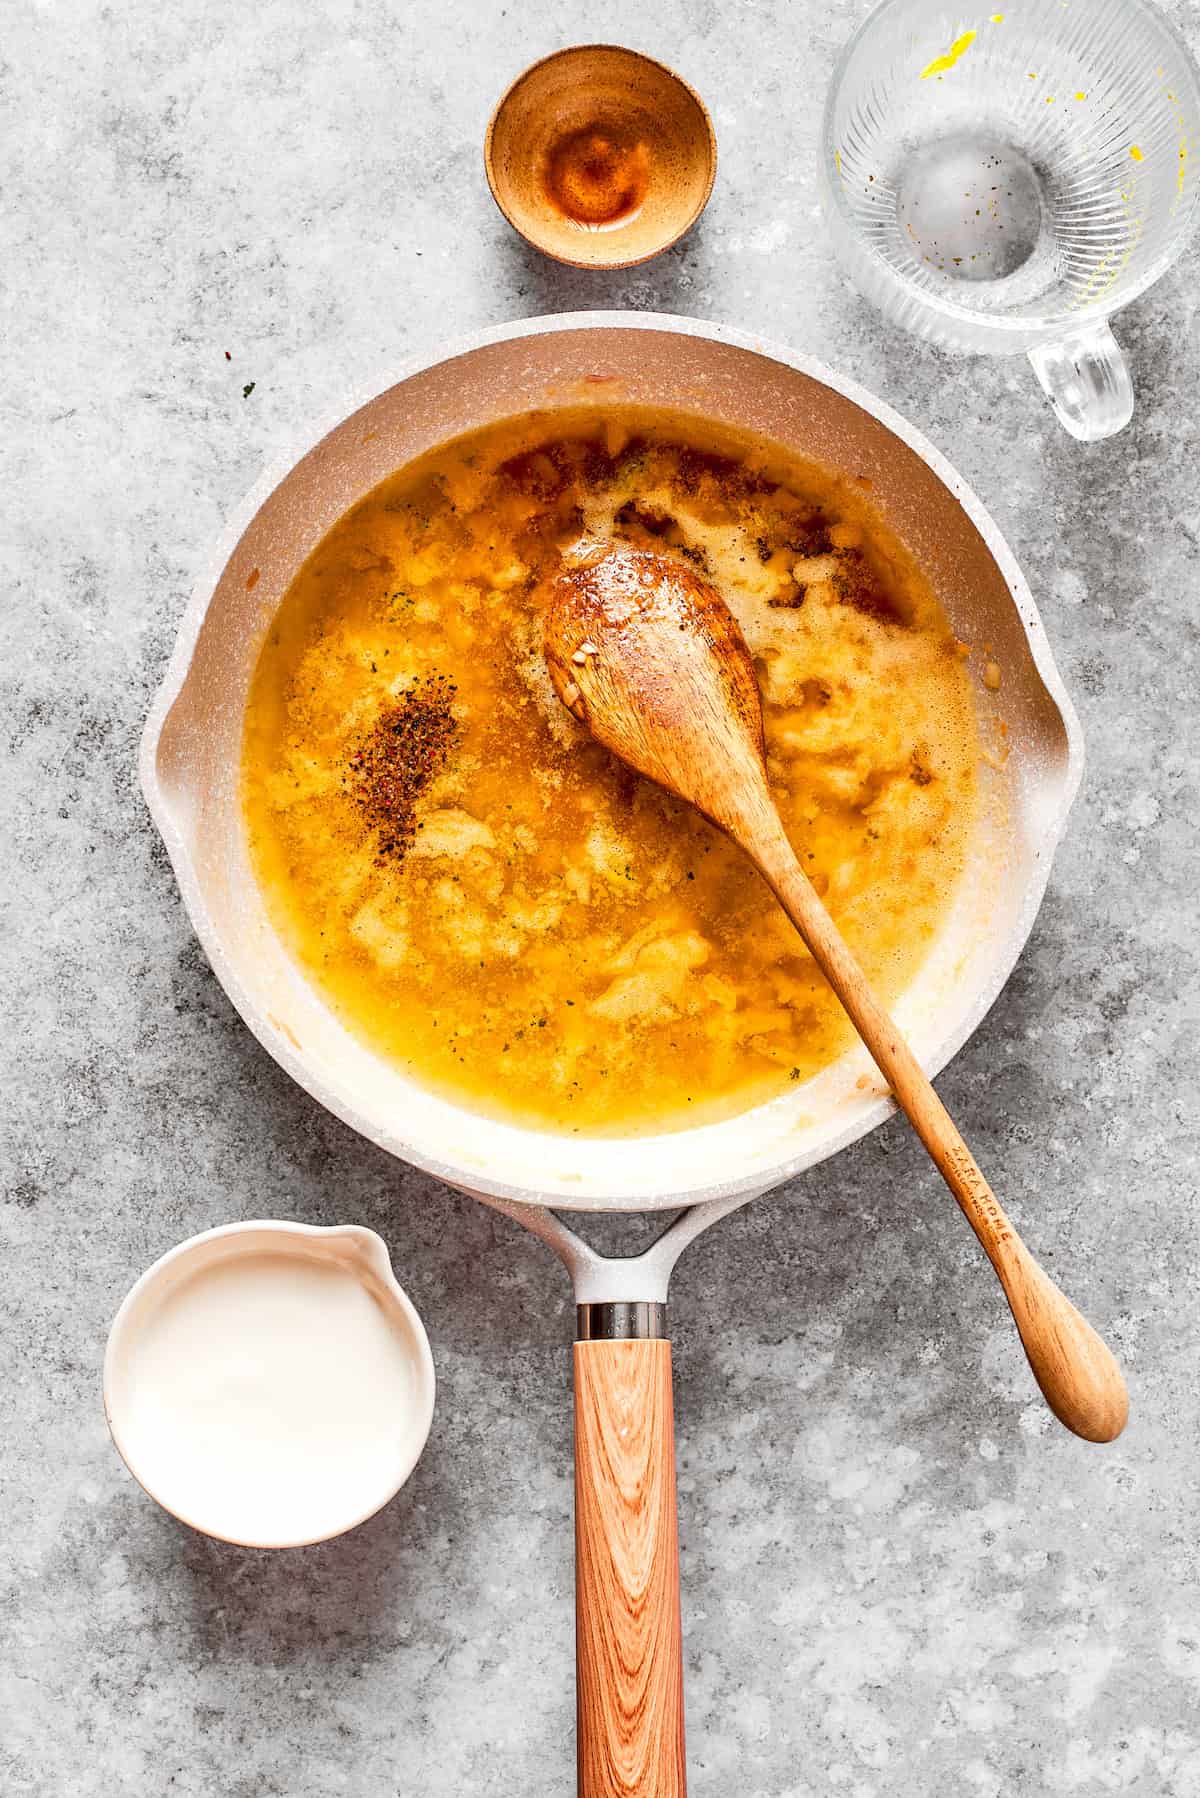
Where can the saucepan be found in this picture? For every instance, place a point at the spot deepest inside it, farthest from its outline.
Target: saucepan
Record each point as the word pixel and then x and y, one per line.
pixel 630 1737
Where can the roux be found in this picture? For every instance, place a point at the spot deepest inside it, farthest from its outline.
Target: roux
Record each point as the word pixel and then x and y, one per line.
pixel 558 942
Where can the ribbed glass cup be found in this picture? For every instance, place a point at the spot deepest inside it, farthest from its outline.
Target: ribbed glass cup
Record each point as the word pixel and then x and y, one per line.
pixel 1003 182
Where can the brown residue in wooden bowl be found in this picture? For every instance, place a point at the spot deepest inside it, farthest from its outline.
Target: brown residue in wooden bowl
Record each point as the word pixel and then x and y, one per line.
pixel 598 177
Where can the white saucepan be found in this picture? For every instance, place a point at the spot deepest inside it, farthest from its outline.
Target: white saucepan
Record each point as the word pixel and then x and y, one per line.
pixel 630 1693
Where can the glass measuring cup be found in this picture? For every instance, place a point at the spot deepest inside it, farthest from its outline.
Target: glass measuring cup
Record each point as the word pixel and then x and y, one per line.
pixel 1005 181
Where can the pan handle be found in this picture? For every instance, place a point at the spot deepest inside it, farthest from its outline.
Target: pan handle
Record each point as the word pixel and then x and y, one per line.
pixel 628 1644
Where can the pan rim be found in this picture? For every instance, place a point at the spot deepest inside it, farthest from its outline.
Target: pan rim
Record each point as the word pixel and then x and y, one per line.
pixel 462 1176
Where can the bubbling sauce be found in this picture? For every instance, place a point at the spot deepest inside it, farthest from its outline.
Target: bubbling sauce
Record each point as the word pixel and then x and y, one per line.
pixel 550 939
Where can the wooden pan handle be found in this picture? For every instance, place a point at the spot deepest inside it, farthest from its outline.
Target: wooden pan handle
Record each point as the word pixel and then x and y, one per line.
pixel 629 1651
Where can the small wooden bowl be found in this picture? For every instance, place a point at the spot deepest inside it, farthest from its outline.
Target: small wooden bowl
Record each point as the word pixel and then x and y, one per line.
pixel 600 157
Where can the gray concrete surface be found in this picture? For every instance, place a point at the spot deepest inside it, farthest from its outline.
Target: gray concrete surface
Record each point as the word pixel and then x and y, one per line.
pixel 901 1580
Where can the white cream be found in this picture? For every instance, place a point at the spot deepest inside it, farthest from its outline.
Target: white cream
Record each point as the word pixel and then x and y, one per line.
pixel 270 1396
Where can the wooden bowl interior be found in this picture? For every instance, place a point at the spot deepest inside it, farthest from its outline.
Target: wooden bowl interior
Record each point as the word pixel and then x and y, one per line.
pixel 606 90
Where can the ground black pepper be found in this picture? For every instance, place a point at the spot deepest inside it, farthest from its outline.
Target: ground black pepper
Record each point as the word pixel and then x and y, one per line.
pixel 402 752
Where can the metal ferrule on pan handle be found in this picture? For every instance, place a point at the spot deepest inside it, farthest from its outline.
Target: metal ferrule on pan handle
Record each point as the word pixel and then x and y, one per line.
pixel 621 1320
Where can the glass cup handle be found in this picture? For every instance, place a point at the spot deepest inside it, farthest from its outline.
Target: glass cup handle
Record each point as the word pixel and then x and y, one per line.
pixel 1087 381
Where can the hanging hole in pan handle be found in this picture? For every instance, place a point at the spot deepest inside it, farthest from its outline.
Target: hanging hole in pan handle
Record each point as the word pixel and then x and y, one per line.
pixel 629 1652
pixel 1088 383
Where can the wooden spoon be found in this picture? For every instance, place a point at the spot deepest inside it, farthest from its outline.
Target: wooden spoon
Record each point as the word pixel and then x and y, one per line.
pixel 650 658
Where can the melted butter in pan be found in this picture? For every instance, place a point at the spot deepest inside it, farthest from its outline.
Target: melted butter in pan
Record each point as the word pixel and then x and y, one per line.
pixel 559 943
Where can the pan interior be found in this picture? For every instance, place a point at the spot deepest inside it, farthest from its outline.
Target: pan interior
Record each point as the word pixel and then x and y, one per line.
pixel 498 906
pixel 193 743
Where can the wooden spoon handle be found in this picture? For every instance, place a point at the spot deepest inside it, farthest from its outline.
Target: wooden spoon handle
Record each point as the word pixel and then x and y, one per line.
pixel 629 1653
pixel 1079 1378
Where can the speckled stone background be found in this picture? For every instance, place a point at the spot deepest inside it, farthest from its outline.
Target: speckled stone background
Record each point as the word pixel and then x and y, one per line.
pixel 901 1580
